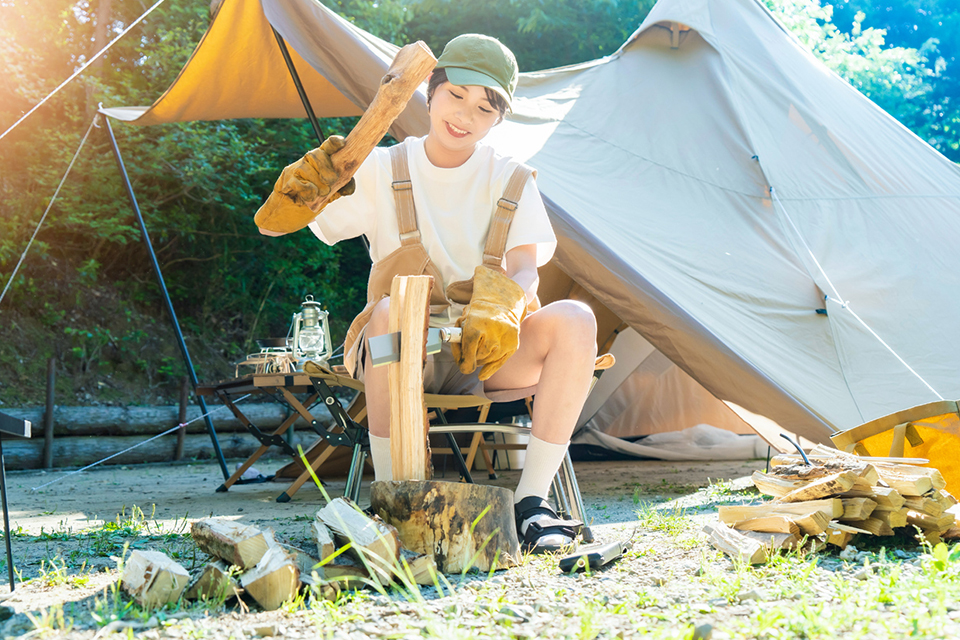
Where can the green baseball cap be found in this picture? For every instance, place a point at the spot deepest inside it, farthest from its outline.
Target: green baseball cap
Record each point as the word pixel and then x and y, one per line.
pixel 478 60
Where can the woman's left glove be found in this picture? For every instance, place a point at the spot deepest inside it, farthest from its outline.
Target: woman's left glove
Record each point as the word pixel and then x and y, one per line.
pixel 490 323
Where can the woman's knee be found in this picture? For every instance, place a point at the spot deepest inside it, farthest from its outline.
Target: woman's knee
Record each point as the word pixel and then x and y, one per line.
pixel 574 324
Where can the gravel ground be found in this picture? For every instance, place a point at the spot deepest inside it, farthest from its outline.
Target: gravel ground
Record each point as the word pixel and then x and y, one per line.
pixel 671 584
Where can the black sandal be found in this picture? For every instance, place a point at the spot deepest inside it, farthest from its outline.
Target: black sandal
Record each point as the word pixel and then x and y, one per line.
pixel 553 524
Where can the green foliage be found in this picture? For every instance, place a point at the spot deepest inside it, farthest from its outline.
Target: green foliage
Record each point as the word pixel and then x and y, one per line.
pixel 87 293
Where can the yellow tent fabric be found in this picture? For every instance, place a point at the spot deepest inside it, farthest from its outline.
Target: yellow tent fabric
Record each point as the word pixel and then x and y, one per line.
pixel 237 70
pixel 930 431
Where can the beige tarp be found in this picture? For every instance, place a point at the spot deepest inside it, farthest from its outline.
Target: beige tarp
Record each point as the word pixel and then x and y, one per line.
pixel 711 183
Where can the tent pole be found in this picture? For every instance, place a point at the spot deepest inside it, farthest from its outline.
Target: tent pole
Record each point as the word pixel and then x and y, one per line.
pixel 306 101
pixel 299 85
pixel 166 298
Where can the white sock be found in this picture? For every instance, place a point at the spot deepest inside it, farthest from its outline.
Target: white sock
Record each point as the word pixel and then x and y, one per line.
pixel 382 460
pixel 540 465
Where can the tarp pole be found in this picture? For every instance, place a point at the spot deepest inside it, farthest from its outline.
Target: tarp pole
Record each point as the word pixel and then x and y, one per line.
pixel 166 299
pixel 299 85
pixel 306 101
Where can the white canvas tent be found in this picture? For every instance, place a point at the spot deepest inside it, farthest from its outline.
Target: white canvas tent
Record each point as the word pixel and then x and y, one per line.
pixel 713 185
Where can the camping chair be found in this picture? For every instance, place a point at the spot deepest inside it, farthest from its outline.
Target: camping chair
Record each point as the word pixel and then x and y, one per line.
pixel 930 431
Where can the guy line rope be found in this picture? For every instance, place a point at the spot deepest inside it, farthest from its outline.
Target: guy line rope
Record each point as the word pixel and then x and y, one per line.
pixel 182 425
pixel 47 210
pixel 837 298
pixel 81 69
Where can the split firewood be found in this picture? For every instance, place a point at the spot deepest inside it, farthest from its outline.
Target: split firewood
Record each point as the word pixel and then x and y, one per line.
pixel 941 523
pixel 814 523
pixel 857 508
pixel 214 582
pixel 929 506
pixel 838 537
pixel 326 546
pixel 274 580
pixel 792 466
pixel 945 498
pixel 769 524
pixel 906 484
pixel 953 532
pixel 772 485
pixel 932 537
pixel 735 544
pixel 874 526
pixel 831 507
pixel 153 579
pixel 373 541
pixel 893 519
pixel 823 452
pixel 421 568
pixel 846 526
pixel 822 487
pixel 773 541
pixel 233 542
pixel 887 499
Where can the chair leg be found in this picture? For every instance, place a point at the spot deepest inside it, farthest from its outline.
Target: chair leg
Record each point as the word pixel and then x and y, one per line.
pixel 569 478
pixel 458 456
pixel 355 475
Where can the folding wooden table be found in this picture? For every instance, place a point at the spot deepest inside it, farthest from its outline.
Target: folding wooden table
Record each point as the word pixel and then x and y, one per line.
pixel 285 389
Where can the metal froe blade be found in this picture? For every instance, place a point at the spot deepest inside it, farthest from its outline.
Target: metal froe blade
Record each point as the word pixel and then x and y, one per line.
pixel 386 348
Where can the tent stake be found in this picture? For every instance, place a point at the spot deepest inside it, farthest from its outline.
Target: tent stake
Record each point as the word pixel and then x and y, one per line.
pixel 166 298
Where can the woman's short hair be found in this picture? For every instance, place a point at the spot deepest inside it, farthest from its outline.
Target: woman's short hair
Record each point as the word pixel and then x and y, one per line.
pixel 439 76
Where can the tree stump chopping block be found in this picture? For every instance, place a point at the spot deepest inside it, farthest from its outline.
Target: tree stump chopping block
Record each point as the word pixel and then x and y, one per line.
pixel 437 518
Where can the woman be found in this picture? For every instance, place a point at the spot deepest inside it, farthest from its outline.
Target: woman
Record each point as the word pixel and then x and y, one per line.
pixel 448 206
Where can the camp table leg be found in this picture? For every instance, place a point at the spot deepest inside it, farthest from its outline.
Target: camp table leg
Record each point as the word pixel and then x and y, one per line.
pixel 303 477
pixel 258 453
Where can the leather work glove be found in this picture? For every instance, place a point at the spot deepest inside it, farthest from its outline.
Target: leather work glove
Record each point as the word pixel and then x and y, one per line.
pixel 304 182
pixel 490 323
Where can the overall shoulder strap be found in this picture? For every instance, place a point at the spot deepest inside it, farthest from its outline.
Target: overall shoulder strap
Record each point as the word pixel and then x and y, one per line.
pixel 502 218
pixel 403 195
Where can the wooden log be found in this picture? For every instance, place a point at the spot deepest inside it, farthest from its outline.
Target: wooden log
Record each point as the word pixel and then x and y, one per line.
pixel 945 498
pixel 773 541
pixel 346 572
pixel 893 519
pixel 234 542
pixel 792 467
pixel 906 485
pixel 887 499
pixel 953 532
pixel 929 506
pixel 153 579
pixel 410 68
pixel 215 582
pixel 838 537
pixel 274 580
pixel 814 523
pixel 822 487
pixel 941 523
pixel 857 508
pixel 463 525
pixel 84 450
pixel 831 507
pixel 849 527
pixel 874 526
pixel 150 420
pixel 735 544
pixel 769 524
pixel 374 543
pixel 419 568
pixel 326 546
pixel 409 315
pixel 772 485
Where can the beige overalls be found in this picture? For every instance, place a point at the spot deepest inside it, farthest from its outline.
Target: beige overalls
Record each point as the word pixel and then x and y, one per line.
pixel 411 258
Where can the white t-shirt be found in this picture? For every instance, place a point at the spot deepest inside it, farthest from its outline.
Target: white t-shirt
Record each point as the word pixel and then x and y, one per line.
pixel 454 209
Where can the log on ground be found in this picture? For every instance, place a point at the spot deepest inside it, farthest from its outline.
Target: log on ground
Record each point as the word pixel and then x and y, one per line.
pixel 236 543
pixel 153 579
pixel 463 525
pixel 274 580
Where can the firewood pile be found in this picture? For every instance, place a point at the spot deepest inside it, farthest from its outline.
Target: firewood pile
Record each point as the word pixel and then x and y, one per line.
pixel 352 550
pixel 837 497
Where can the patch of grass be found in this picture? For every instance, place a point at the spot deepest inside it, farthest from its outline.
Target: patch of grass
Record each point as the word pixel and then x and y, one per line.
pixel 669 520
pixel 50 621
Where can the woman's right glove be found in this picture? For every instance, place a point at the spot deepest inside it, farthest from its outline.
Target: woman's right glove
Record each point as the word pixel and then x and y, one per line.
pixel 490 323
pixel 302 183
